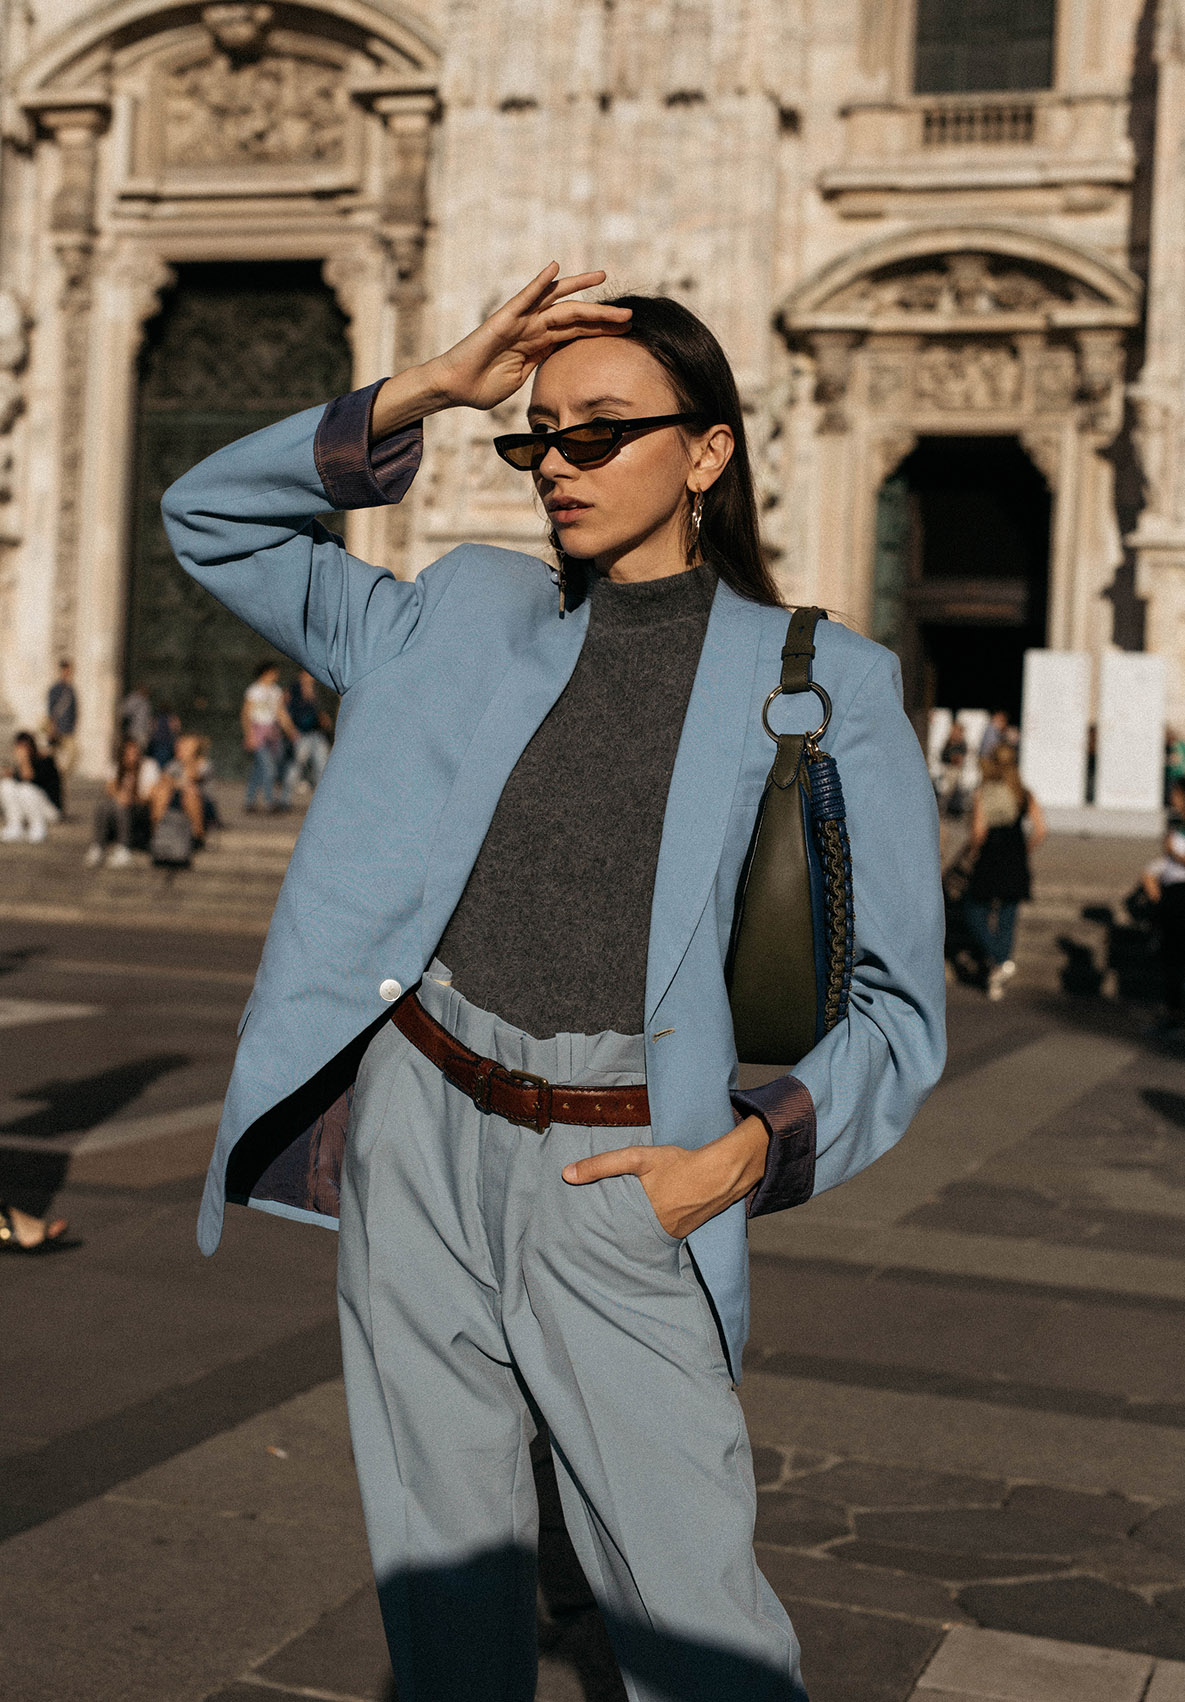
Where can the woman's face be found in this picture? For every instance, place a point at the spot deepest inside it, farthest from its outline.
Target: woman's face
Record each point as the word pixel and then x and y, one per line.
pixel 629 511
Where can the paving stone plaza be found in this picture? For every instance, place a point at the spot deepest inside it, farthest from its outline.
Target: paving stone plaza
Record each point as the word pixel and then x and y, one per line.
pixel 964 1384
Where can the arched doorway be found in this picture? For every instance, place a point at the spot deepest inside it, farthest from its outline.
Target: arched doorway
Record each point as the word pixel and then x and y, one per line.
pixel 988 352
pixel 961 576
pixel 234 347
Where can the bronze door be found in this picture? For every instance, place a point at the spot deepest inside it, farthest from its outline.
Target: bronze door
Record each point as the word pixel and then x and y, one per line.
pixel 235 347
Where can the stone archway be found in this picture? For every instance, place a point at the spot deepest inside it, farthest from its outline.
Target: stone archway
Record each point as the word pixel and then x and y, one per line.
pixel 955 333
pixel 164 134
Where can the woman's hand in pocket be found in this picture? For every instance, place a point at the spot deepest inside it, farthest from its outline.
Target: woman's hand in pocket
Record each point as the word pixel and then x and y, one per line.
pixel 686 1185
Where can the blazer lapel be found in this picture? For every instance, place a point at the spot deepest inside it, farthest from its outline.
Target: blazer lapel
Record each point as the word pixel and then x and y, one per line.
pixel 535 676
pixel 703 784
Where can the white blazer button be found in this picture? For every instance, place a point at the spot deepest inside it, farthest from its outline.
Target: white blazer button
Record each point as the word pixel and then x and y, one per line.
pixel 390 990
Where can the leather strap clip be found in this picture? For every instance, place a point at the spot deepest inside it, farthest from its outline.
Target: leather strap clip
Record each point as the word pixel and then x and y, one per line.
pixel 798 652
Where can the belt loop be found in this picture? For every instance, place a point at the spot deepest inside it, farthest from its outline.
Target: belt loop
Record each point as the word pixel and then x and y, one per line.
pixel 482 1083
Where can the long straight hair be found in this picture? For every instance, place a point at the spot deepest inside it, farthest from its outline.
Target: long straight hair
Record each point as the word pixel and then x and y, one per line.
pixel 702 381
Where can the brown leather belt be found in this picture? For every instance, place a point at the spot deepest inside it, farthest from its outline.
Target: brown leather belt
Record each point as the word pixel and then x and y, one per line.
pixel 519 1097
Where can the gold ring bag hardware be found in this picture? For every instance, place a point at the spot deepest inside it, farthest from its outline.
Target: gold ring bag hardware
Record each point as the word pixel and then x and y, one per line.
pixel 789 964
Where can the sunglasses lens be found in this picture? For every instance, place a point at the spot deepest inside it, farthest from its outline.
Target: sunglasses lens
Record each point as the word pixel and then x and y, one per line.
pixel 525 453
pixel 588 443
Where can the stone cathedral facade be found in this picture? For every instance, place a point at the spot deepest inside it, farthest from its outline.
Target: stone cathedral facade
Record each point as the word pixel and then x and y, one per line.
pixel 942 241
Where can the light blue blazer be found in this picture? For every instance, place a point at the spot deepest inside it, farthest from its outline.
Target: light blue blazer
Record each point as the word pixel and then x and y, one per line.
pixel 443 681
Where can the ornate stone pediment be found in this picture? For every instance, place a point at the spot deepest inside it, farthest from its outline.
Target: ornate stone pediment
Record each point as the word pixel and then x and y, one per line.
pixel 979 326
pixel 964 278
pixel 959 286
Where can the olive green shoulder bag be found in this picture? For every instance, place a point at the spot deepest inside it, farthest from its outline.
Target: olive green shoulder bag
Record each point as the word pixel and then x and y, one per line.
pixel 789 964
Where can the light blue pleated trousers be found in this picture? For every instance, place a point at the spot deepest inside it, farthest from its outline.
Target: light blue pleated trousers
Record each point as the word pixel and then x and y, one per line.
pixel 480 1295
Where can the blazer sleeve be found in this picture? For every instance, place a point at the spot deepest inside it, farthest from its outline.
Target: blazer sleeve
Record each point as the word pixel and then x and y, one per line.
pixel 243 524
pixel 855 1093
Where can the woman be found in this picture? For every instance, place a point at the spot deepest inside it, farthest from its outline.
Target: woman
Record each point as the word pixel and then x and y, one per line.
pixel 30 792
pixel 1006 824
pixel 123 816
pixel 527 846
pixel 266 724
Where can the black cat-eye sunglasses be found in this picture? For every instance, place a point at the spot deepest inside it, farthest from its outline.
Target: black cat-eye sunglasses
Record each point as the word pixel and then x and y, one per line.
pixel 581 445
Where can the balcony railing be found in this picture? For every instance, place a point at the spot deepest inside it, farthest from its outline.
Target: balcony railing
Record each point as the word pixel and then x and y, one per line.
pixel 968 124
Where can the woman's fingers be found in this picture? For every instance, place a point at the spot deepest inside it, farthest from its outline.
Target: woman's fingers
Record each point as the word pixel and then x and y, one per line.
pixel 570 286
pixel 625 1161
pixel 532 294
pixel 588 313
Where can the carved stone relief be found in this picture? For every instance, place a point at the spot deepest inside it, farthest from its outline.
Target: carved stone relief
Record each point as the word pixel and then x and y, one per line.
pixel 1055 379
pixel 968 376
pixel 15 324
pixel 277 109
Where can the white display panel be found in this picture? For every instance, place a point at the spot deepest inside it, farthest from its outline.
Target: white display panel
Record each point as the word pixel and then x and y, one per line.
pixel 1054 723
pixel 1130 773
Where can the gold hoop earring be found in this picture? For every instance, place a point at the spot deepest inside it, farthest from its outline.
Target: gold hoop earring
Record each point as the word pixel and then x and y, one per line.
pixel 697 515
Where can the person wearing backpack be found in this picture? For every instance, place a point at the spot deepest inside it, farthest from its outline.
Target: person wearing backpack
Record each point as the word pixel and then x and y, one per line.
pixel 178 807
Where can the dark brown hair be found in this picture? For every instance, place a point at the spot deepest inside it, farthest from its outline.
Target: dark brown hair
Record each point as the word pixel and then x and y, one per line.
pixel 702 380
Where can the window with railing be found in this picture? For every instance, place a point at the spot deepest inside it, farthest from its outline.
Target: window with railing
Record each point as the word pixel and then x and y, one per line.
pixel 984 46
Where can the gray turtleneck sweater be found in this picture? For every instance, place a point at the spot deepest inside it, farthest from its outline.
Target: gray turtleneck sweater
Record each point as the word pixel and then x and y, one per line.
pixel 552 928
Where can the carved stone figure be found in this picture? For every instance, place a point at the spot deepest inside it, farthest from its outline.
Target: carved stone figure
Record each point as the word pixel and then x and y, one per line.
pixel 237 28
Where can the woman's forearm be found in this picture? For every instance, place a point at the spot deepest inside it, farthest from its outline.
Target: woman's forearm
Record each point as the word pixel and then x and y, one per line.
pixel 407 398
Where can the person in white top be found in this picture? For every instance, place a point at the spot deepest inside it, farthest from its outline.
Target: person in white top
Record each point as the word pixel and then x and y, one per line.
pixel 122 813
pixel 266 724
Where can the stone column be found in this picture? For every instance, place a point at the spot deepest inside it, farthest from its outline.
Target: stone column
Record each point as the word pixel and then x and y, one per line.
pixel 1158 542
pixel 74 126
pixel 379 282
pixel 125 293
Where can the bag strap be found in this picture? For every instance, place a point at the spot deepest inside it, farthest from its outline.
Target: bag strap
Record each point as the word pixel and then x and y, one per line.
pixel 798 652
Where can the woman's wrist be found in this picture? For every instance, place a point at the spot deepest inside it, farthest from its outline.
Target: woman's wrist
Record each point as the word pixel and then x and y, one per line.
pixel 408 397
pixel 741 1156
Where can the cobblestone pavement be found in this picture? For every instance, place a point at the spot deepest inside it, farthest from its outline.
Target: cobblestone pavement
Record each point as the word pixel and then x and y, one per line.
pixel 965 1383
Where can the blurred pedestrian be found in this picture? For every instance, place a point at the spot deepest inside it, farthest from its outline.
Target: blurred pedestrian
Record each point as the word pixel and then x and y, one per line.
pixel 1174 762
pixel 266 723
pixel 135 716
pixel 22 1232
pixel 123 816
pixel 994 734
pixel 30 792
pixel 1006 823
pixel 1164 884
pixel 162 741
pixel 310 749
pixel 954 764
pixel 61 721
pixel 181 788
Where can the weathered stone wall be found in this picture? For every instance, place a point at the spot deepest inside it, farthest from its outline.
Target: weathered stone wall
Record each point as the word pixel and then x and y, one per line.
pixel 740 154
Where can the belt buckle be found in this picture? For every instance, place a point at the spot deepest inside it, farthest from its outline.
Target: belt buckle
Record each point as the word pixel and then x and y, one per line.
pixel 542 1120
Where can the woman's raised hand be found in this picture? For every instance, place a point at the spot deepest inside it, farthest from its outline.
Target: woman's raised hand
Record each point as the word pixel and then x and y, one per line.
pixel 494 361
